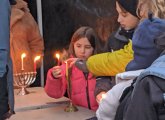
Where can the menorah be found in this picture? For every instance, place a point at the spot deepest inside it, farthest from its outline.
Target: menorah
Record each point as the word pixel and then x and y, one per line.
pixel 23 80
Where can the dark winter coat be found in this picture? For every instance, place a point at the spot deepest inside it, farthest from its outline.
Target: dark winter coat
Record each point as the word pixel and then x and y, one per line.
pixel 119 39
pixel 147 101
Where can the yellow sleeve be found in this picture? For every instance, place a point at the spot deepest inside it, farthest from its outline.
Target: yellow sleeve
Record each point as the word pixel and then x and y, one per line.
pixel 110 63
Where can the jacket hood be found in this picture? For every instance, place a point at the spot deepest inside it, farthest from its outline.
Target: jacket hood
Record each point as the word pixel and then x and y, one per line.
pixel 18 11
pixel 143 43
pixel 156 69
pixel 21 5
pixel 160 41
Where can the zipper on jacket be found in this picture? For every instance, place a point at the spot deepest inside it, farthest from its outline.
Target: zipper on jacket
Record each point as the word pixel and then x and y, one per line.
pixel 87 90
pixel 87 93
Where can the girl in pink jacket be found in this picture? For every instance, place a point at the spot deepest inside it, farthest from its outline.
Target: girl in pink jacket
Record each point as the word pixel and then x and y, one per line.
pixel 82 46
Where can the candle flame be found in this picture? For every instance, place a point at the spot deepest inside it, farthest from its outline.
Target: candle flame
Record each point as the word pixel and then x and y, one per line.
pixel 57 56
pixel 23 55
pixel 37 58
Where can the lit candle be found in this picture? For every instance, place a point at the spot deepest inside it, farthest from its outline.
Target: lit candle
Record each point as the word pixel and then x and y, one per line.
pixel 22 57
pixel 58 59
pixel 35 65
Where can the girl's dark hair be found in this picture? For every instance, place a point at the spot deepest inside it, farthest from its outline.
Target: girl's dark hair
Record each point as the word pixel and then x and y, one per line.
pixel 84 32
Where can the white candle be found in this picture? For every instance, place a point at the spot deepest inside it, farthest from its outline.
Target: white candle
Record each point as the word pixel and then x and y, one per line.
pixel 22 57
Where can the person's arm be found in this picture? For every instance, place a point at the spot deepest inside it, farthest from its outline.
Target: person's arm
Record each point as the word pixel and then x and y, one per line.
pixel 35 39
pixel 129 75
pixel 4 35
pixel 109 64
pixel 6 77
pixel 103 84
pixel 55 87
pixel 109 104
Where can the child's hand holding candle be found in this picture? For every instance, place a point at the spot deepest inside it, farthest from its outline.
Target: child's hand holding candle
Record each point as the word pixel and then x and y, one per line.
pixel 56 72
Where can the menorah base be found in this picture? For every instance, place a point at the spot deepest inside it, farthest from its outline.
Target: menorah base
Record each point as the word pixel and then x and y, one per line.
pixel 23 91
pixel 71 108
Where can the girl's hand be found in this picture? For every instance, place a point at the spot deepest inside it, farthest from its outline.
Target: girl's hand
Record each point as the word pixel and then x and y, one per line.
pixel 71 61
pixel 56 72
pixel 100 96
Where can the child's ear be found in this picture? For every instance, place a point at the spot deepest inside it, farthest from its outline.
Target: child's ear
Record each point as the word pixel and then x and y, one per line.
pixel 142 10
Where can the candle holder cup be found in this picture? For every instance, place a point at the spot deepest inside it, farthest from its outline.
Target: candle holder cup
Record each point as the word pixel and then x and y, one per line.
pixel 23 80
pixel 71 107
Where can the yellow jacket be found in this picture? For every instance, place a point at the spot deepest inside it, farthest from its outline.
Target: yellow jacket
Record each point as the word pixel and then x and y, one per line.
pixel 110 63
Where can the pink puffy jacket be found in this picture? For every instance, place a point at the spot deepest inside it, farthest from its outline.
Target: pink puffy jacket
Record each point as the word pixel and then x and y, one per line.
pixel 56 88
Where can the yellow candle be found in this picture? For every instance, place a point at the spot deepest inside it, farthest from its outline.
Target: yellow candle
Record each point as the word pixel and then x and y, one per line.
pixel 22 57
pixel 35 60
pixel 67 70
